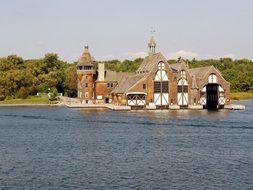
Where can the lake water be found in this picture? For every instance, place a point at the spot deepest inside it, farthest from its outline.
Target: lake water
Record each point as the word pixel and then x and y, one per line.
pixel 61 148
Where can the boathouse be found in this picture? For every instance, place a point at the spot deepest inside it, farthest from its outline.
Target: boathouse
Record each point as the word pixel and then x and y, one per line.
pixel 155 84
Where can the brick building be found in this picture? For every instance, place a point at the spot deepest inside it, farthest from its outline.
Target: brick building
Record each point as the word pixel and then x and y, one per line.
pixel 155 84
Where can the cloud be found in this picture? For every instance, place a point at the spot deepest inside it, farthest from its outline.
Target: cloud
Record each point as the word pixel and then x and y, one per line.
pixel 105 57
pixel 134 55
pixel 183 54
pixel 230 55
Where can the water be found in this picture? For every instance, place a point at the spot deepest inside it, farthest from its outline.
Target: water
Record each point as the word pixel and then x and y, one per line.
pixel 61 148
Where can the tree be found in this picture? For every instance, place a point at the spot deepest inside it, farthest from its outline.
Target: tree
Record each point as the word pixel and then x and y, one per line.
pixel 71 80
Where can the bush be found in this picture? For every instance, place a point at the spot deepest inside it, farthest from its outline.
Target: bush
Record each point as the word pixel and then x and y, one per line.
pixel 2 95
pixel 23 93
pixel 53 95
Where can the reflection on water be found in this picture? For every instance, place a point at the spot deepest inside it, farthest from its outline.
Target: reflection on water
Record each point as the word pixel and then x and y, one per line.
pixel 60 148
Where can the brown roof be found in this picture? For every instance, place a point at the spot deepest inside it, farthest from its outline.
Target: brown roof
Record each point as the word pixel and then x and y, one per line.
pixel 147 65
pixel 86 59
pixel 175 66
pixel 200 71
pixel 149 62
pixel 116 76
pixel 179 64
pixel 126 83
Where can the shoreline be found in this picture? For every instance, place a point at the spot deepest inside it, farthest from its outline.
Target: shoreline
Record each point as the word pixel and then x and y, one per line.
pixel 32 105
pixel 116 107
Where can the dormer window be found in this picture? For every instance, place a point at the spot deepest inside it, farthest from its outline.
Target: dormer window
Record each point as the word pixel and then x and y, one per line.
pixel 212 78
pixel 183 74
pixel 161 66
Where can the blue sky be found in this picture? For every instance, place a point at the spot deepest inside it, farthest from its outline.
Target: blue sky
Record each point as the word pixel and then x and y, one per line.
pixel 121 29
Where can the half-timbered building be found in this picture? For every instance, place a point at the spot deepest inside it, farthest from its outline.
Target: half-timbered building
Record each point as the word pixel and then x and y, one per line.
pixel 155 84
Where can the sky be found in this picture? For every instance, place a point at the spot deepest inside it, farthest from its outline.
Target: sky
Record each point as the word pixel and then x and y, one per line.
pixel 120 29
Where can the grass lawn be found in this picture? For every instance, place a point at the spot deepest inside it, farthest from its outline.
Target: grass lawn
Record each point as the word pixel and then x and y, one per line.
pixel 241 95
pixel 29 100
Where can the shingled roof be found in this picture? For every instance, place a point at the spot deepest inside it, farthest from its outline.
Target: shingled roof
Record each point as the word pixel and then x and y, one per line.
pixel 149 62
pixel 86 59
pixel 199 72
pixel 126 83
pixel 116 76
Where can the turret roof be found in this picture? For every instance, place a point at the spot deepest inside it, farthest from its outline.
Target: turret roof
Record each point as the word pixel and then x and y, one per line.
pixel 86 59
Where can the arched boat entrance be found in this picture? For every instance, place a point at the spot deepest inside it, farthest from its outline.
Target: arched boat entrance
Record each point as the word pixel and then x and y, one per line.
pixel 212 96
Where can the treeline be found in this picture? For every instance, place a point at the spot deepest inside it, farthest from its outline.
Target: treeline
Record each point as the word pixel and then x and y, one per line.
pixel 20 78
pixel 238 72
pixel 123 66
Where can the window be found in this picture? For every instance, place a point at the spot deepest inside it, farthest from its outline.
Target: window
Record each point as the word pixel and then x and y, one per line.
pixel 109 84
pixel 86 77
pixel 185 88
pixel 183 74
pixel 212 78
pixel 86 95
pixel 181 89
pixel 86 85
pixel 161 87
pixel 161 66
pixel 144 86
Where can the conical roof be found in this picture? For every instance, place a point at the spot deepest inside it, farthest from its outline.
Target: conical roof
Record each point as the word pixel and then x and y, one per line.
pixel 86 59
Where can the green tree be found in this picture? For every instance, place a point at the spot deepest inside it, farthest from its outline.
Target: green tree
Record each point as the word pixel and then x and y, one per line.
pixel 71 80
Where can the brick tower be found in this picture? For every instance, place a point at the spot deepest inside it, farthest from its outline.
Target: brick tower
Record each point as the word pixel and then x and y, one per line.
pixel 86 74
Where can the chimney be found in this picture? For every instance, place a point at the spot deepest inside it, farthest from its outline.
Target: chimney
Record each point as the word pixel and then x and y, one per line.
pixel 101 71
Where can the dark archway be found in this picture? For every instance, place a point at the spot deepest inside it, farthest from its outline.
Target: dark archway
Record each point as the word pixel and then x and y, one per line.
pixel 106 100
pixel 212 96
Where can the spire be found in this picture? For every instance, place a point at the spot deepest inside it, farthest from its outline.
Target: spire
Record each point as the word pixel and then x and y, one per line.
pixel 86 57
pixel 152 45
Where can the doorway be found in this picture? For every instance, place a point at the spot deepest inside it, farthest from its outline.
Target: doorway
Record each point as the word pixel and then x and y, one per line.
pixel 212 96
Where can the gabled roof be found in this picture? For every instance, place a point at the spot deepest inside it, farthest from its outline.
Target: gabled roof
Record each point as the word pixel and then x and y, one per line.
pixel 199 72
pixel 175 66
pixel 149 62
pixel 147 65
pixel 116 76
pixel 126 83
pixel 180 64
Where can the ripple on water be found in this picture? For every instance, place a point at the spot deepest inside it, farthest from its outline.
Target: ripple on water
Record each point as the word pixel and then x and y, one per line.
pixel 60 148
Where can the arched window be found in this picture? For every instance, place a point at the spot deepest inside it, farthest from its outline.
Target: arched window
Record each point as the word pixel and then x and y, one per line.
pixel 161 66
pixel 212 78
pixel 182 90
pixel 183 74
pixel 161 86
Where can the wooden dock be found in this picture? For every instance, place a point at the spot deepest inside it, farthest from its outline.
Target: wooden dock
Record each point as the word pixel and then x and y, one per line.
pixel 108 106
